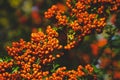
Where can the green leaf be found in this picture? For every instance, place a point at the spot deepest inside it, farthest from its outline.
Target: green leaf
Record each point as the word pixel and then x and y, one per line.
pixel 1 60
pixel 55 66
pixel 96 70
pixel 7 59
pixel 14 69
pixel 38 61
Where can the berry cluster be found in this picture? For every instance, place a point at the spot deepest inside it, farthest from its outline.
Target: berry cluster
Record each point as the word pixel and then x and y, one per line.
pixel 85 17
pixel 31 57
pixel 62 73
pixel 56 12
pixel 50 13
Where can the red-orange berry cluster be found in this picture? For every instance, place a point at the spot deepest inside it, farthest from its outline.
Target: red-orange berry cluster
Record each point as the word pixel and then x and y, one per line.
pixel 50 13
pixel 70 45
pixel 62 73
pixel 5 65
pixel 56 12
pixel 62 19
pixel 6 71
pixel 85 16
pixel 89 68
pixel 31 57
pixel 68 3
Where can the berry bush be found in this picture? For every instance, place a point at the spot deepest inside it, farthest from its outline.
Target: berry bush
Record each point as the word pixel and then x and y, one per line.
pixel 70 40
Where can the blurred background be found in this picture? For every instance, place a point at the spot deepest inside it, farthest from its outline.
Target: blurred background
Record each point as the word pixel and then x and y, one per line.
pixel 19 18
